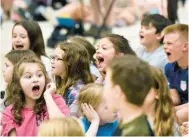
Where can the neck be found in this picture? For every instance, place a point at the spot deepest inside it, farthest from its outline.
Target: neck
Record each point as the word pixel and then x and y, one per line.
pixel 183 62
pixel 150 111
pixel 129 112
pixel 153 47
pixel 30 103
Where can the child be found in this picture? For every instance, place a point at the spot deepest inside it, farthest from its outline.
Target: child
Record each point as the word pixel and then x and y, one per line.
pixel 128 81
pixel 151 39
pixel 68 126
pixel 176 48
pixel 31 103
pixel 91 50
pixel 11 59
pixel 98 119
pixel 70 65
pixel 109 47
pixel 159 107
pixel 27 35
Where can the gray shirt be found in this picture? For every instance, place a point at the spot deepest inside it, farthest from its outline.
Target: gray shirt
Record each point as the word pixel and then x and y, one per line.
pixel 156 58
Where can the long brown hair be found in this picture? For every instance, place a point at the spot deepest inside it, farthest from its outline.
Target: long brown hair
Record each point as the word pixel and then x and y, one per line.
pixel 35 36
pixel 14 56
pixel 164 109
pixel 18 98
pixel 76 61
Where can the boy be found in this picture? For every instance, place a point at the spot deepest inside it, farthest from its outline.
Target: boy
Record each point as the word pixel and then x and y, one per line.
pixel 128 81
pixel 176 48
pixel 151 39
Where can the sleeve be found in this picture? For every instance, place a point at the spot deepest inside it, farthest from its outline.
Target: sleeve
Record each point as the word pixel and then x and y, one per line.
pixel 61 104
pixel 7 121
pixel 74 106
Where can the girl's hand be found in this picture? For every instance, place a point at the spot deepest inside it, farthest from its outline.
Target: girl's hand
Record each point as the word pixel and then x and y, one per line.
pixel 90 113
pixel 50 88
pixel 184 128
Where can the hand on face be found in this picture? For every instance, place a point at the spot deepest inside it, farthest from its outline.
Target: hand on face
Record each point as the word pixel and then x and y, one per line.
pixel 184 128
pixel 90 113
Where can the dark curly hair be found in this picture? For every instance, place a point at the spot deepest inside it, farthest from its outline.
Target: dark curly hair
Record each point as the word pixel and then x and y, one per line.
pixel 18 98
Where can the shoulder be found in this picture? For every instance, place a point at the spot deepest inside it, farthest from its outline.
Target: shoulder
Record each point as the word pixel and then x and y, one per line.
pixel 139 50
pixel 8 109
pixel 170 66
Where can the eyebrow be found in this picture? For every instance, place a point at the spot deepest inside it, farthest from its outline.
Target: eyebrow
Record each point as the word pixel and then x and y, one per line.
pixel 30 72
pixel 20 33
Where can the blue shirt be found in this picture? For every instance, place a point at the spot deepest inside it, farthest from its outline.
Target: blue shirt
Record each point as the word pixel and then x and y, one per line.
pixel 178 79
pixel 103 130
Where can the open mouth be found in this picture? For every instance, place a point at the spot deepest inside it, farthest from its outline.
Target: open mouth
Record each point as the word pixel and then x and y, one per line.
pixel 19 46
pixel 168 53
pixel 100 60
pixel 35 89
pixel 141 36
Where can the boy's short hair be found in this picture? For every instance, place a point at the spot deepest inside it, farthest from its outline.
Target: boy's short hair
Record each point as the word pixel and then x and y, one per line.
pixel 91 94
pixel 181 28
pixel 133 76
pixel 156 20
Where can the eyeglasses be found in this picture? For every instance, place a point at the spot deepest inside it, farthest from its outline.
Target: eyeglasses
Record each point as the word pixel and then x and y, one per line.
pixel 54 57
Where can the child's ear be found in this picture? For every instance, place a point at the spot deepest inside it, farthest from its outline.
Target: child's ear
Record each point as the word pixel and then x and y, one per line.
pixel 120 54
pixel 185 47
pixel 159 36
pixel 156 97
pixel 119 92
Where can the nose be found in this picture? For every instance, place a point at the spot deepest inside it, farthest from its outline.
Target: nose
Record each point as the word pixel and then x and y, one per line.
pixel 35 79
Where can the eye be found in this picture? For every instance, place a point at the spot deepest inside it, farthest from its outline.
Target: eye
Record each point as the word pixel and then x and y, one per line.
pixel 6 65
pixel 28 76
pixel 14 36
pixel 40 75
pixel 23 37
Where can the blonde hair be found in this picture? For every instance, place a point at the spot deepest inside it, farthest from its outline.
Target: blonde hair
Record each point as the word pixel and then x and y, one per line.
pixel 67 126
pixel 164 109
pixel 91 94
pixel 181 28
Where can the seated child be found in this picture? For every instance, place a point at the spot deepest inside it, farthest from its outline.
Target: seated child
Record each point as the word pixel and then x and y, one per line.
pixel 151 39
pixel 176 48
pixel 67 126
pixel 34 100
pixel 128 81
pixel 98 119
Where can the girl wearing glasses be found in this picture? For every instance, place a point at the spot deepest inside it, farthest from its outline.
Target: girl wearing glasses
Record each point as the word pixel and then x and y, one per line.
pixel 70 65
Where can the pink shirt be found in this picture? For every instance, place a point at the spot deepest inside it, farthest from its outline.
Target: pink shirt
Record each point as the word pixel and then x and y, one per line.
pixel 31 121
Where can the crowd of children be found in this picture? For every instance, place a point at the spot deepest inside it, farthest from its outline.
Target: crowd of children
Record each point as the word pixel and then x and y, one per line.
pixel 110 91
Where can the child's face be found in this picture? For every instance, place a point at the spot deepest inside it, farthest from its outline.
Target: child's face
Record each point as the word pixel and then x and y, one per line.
pixel 20 39
pixel 148 35
pixel 106 114
pixel 105 52
pixel 57 64
pixel 8 70
pixel 32 81
pixel 173 46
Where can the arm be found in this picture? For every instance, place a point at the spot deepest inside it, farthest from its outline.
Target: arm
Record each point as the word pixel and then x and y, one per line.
pixel 93 117
pixel 175 97
pixel 52 107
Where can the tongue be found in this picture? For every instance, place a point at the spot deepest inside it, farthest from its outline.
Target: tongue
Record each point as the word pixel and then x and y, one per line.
pixel 35 90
